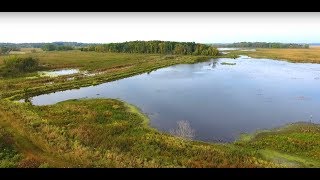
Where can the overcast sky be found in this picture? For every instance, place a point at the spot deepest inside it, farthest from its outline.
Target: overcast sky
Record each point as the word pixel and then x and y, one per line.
pixel 196 27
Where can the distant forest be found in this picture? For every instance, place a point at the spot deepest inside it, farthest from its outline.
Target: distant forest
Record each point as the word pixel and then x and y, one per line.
pixel 261 45
pixel 40 45
pixel 157 47
pixel 5 48
pixel 161 47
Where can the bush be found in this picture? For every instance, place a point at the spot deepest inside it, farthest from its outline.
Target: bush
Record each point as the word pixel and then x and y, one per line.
pixel 4 50
pixel 14 65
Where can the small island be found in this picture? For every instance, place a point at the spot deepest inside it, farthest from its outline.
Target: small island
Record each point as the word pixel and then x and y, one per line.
pixel 227 63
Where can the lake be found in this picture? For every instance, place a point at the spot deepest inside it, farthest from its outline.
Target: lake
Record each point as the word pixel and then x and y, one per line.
pixel 220 101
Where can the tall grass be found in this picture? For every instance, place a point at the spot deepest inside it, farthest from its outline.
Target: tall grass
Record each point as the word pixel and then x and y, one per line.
pixel 311 55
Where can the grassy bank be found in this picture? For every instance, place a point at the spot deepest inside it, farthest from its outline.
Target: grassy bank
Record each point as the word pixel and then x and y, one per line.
pixel 293 145
pixel 111 133
pixel 311 55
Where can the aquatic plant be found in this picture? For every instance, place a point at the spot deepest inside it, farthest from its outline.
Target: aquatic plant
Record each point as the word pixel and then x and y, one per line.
pixel 227 63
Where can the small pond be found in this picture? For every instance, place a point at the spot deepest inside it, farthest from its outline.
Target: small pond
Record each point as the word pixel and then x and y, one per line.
pixel 60 72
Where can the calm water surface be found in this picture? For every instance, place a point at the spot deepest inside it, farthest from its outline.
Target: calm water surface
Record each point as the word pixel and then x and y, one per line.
pixel 61 72
pixel 227 49
pixel 219 101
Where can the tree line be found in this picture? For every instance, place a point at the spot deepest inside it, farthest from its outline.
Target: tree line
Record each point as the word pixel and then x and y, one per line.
pixel 40 45
pixel 156 47
pixel 263 45
pixel 6 50
pixel 55 47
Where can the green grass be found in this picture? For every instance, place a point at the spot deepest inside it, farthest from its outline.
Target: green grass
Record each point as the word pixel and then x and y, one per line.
pixel 295 143
pixel 289 160
pixel 9 157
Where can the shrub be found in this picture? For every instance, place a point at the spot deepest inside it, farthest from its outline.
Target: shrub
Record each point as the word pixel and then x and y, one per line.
pixel 14 65
pixel 4 50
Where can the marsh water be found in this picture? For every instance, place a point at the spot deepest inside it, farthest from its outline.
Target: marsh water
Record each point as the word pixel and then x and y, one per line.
pixel 219 101
pixel 60 72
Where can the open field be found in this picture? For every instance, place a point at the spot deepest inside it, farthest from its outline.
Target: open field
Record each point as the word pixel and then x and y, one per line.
pixel 111 133
pixel 311 55
pixel 26 51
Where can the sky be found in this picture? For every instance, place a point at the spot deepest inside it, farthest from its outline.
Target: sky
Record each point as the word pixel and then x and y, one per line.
pixel 192 27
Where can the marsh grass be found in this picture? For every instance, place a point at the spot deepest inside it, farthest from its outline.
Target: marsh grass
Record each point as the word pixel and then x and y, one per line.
pixel 9 157
pixel 111 133
pixel 297 142
pixel 311 55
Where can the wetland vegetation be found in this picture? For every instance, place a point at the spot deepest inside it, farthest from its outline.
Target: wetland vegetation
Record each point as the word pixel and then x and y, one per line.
pixel 310 55
pixel 228 63
pixel 112 133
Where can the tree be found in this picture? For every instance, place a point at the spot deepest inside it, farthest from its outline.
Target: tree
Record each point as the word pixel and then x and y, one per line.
pixel 179 49
pixel 64 48
pixel 49 47
pixel 183 130
pixel 56 47
pixel 162 47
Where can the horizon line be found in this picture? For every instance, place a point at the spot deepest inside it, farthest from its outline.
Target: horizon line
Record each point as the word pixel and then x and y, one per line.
pixel 163 40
